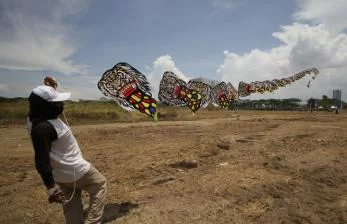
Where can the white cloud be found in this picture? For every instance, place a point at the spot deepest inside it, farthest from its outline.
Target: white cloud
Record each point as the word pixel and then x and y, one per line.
pixel 314 45
pixel 161 65
pixel 303 46
pixel 35 36
pixel 331 13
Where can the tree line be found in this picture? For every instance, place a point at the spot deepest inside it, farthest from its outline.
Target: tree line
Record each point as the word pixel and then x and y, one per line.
pixel 287 104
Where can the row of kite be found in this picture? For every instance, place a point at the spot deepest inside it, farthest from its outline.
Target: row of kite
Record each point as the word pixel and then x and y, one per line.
pixel 131 90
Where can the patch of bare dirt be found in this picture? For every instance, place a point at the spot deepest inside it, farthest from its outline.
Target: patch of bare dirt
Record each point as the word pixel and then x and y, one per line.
pixel 257 167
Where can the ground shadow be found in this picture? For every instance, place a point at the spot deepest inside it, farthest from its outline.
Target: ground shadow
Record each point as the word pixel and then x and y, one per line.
pixel 113 210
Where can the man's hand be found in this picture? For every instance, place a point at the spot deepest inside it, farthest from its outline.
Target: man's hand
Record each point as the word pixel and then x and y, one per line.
pixel 55 194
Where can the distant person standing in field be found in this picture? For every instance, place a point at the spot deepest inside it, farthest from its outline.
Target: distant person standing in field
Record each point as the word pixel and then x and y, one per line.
pixel 59 160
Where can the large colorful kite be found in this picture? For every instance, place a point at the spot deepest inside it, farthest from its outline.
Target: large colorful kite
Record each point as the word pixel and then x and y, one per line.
pixel 223 94
pixel 202 88
pixel 220 95
pixel 175 91
pixel 196 94
pixel 129 88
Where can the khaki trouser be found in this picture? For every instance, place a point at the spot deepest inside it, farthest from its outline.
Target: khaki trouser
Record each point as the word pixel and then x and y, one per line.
pixel 92 182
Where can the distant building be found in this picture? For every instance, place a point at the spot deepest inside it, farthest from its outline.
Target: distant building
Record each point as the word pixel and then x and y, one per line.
pixel 337 96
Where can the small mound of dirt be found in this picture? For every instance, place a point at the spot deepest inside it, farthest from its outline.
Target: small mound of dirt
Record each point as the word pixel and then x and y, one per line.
pixel 224 146
pixel 162 180
pixel 243 140
pixel 187 164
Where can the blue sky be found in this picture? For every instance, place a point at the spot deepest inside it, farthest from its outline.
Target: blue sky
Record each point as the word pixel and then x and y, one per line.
pixel 229 40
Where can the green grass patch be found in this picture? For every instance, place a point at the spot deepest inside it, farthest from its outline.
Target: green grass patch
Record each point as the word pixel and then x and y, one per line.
pixel 15 111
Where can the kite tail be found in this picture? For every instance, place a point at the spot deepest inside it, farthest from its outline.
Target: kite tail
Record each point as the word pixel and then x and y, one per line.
pixel 144 103
pixel 190 96
pixel 314 76
pixel 246 89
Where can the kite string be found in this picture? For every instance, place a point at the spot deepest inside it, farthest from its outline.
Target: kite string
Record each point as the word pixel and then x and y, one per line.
pixel 74 171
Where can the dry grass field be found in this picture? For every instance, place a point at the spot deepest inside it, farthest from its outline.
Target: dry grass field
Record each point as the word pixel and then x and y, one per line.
pixel 217 167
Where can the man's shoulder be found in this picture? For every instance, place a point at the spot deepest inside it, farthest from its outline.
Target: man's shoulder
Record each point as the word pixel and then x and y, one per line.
pixel 42 128
pixel 41 124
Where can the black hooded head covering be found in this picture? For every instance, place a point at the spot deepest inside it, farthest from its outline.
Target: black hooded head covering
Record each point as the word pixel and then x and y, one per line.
pixel 41 109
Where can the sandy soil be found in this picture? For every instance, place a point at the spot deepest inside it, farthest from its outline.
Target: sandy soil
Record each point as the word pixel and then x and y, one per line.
pixel 258 167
